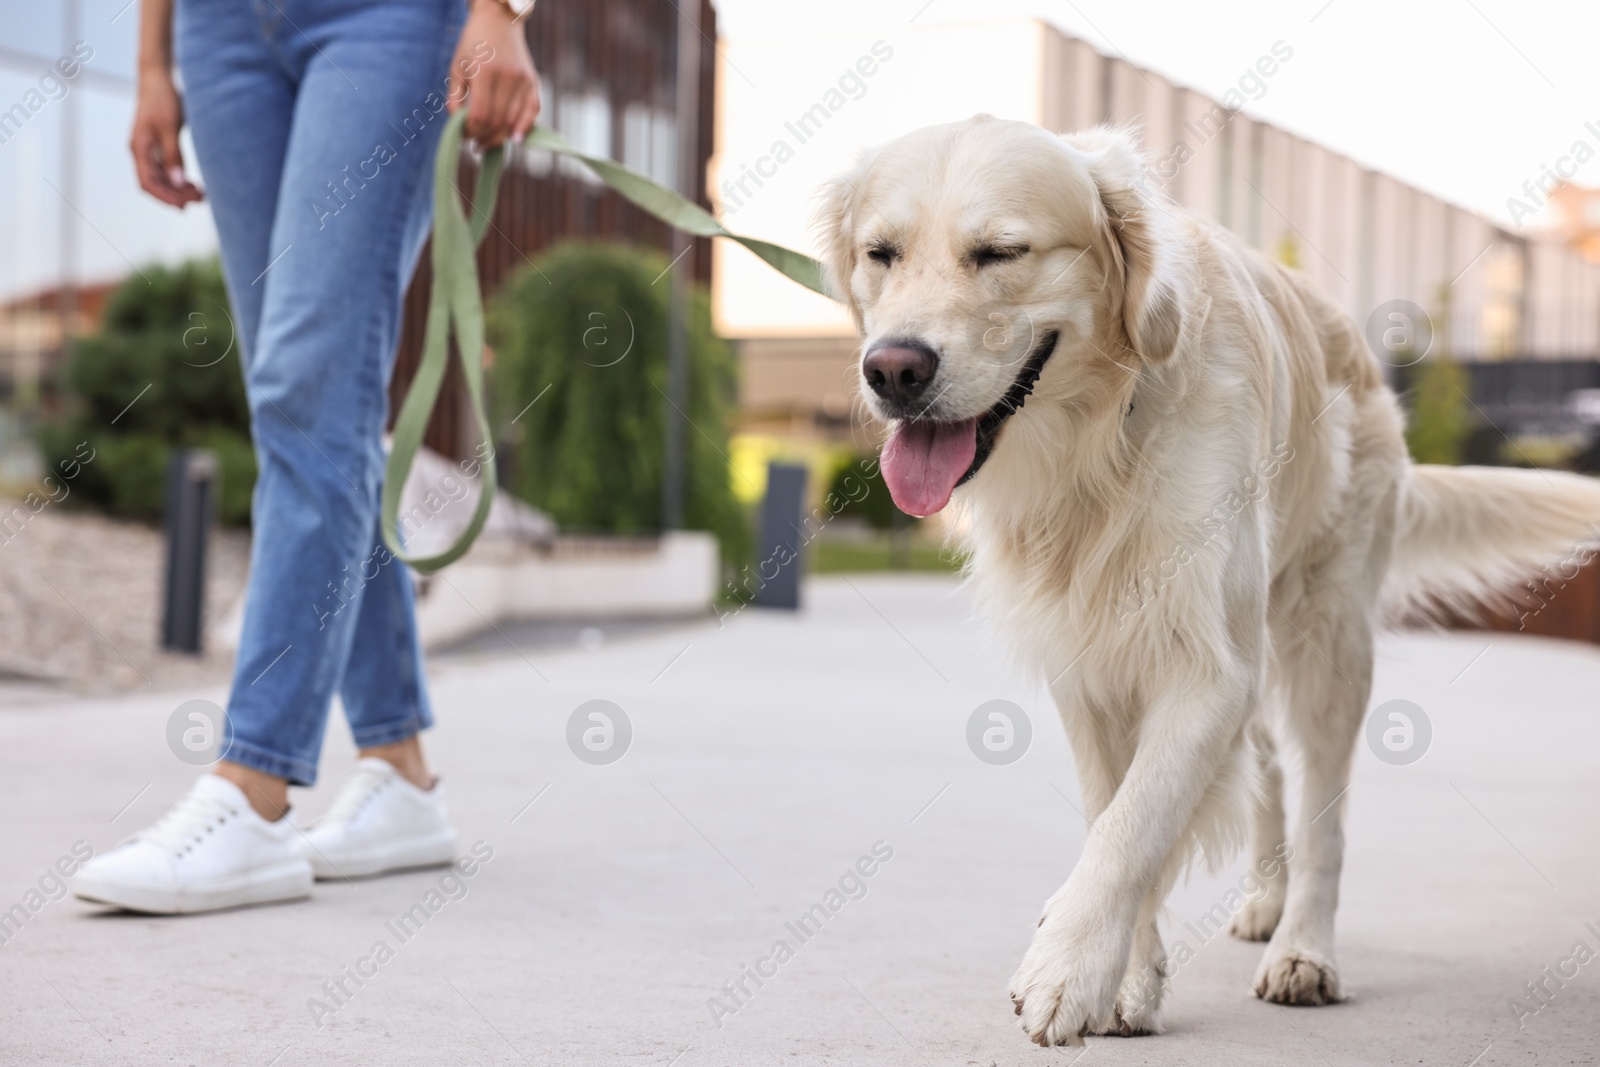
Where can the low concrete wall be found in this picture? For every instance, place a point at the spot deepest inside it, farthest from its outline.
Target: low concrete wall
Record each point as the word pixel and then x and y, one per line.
pixel 520 568
pixel 568 578
pixel 504 580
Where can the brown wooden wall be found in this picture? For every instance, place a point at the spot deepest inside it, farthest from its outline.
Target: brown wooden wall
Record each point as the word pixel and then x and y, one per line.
pixel 1560 604
pixel 627 50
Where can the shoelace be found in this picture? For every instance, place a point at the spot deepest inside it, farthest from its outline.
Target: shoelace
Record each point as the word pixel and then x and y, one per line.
pixel 187 822
pixel 363 784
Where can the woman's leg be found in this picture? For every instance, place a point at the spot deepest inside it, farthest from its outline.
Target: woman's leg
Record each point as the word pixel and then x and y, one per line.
pixel 383 689
pixel 240 102
pixel 240 108
pixel 315 124
pixel 349 216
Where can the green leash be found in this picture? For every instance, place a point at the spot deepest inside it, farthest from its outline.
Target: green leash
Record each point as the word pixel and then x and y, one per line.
pixel 456 306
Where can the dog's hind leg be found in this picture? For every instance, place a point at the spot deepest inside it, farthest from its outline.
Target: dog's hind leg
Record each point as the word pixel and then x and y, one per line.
pixel 1268 844
pixel 1328 658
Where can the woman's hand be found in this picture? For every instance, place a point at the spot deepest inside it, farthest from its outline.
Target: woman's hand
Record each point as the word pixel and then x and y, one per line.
pixel 157 118
pixel 502 88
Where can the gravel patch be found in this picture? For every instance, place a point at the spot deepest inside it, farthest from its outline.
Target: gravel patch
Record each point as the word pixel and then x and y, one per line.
pixel 80 604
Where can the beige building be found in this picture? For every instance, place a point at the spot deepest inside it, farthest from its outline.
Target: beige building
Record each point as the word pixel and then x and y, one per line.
pixel 1579 213
pixel 33 336
pixel 1366 237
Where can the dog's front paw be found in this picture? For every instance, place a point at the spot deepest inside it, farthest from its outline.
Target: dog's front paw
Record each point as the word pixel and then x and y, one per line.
pixel 1130 1018
pixel 1257 919
pixel 1297 976
pixel 1067 985
pixel 1138 1009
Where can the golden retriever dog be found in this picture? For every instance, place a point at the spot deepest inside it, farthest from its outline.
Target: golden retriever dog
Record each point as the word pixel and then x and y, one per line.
pixel 1184 491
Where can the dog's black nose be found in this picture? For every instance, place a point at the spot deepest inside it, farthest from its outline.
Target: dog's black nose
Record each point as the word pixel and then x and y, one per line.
pixel 899 370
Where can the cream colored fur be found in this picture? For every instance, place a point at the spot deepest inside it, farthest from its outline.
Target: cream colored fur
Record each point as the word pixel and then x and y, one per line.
pixel 1198 578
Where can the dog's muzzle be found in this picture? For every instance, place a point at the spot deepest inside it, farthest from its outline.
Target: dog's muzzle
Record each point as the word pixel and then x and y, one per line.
pixel 925 460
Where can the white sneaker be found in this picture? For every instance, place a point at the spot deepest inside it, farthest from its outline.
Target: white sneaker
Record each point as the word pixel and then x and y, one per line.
pixel 378 823
pixel 210 851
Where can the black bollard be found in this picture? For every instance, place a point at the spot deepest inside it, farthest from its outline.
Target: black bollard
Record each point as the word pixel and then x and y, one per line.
pixel 191 499
pixel 779 564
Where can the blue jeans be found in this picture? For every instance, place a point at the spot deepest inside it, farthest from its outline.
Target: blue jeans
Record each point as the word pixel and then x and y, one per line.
pixel 315 124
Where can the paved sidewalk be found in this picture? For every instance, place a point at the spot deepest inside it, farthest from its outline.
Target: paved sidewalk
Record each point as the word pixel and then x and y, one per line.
pixel 767 758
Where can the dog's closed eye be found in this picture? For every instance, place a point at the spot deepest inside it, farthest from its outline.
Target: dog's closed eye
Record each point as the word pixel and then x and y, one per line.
pixel 989 255
pixel 883 253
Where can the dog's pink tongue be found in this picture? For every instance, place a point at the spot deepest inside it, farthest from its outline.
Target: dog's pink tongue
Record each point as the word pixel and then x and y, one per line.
pixel 923 461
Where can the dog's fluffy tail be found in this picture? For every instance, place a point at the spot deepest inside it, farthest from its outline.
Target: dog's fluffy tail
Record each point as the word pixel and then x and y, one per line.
pixel 1467 537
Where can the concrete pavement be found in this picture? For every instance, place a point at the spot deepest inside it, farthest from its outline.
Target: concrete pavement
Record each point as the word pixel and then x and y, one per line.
pixel 768 758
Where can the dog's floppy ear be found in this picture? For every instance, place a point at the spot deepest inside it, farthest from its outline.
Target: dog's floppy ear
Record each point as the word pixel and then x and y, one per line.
pixel 1158 289
pixel 835 223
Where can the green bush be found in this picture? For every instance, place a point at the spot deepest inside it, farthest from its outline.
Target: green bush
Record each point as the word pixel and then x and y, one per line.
pixel 1441 418
pixel 875 507
pixel 162 374
pixel 579 395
